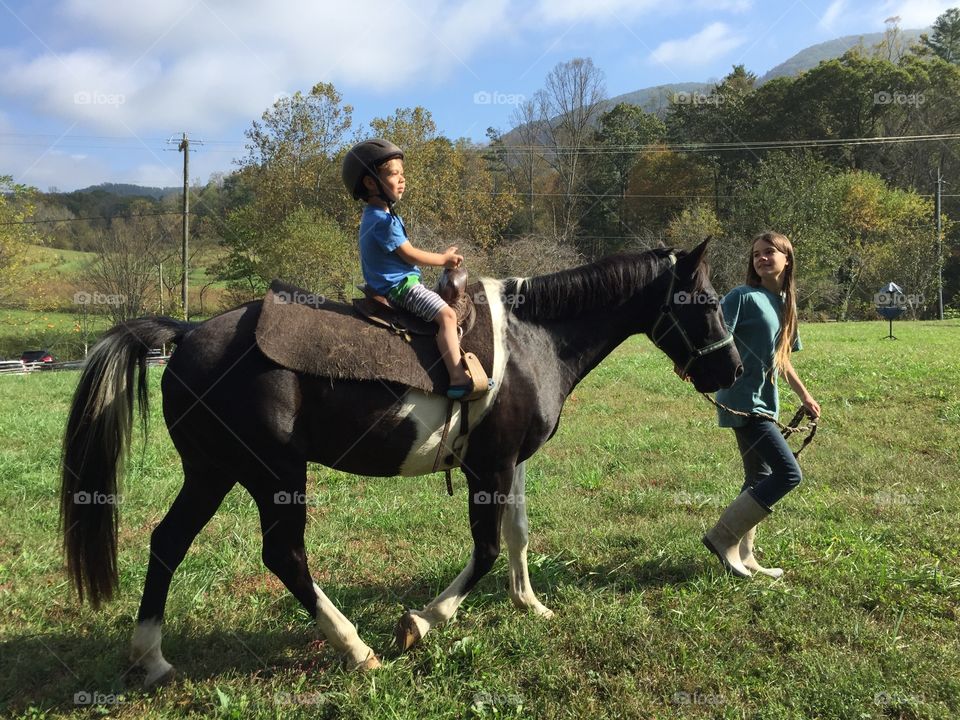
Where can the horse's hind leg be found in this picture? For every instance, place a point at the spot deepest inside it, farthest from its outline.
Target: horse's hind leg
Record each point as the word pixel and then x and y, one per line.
pixel 283 515
pixel 198 500
pixel 515 532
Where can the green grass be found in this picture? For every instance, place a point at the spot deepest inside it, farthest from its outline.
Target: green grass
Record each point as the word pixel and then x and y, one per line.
pixel 863 625
pixel 59 332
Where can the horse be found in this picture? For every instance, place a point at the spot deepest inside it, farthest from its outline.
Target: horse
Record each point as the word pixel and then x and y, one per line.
pixel 235 416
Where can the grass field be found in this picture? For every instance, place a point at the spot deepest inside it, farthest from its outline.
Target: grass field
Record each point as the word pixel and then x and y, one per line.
pixel 863 624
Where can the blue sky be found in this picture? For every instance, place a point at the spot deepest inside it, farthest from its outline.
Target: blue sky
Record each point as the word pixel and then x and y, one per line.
pixel 91 90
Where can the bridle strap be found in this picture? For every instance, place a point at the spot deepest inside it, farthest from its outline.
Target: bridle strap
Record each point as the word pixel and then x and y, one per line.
pixel 666 312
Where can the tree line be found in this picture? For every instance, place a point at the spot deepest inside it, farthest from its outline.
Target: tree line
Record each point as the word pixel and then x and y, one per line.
pixel 824 156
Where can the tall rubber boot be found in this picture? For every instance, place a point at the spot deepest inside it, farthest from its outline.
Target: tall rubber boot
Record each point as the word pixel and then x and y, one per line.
pixel 750 562
pixel 723 540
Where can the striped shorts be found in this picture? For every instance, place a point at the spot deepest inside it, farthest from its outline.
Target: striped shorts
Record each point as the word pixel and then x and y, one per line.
pixel 421 301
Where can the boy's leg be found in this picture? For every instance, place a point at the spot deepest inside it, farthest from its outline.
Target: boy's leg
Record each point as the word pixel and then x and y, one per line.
pixel 425 303
pixel 448 341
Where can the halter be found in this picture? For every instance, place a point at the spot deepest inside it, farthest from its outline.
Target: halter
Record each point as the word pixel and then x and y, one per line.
pixel 666 311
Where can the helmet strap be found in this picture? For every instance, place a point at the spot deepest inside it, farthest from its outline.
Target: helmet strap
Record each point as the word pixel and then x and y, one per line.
pixel 384 195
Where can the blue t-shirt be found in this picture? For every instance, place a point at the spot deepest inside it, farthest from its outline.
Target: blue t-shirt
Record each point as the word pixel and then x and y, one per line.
pixel 752 314
pixel 380 235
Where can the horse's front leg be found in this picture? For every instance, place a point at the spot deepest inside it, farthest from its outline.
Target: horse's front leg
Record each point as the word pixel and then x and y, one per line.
pixel 488 494
pixel 515 532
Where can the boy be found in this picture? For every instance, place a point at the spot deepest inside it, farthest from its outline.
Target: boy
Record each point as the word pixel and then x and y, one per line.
pixel 373 172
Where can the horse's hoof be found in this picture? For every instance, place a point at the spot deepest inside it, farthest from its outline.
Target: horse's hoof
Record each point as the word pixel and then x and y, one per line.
pixel 406 634
pixel 371 663
pixel 164 678
pixel 544 612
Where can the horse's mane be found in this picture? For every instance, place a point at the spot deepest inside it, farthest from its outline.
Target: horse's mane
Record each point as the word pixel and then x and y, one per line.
pixel 604 283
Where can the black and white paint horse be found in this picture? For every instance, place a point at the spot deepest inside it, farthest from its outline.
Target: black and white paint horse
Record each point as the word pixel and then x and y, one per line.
pixel 237 417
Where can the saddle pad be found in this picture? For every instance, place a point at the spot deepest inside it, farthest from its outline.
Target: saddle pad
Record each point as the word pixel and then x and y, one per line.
pixel 311 334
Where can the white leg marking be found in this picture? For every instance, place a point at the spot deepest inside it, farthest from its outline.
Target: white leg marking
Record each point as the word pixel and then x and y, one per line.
pixel 145 651
pixel 515 531
pixel 445 605
pixel 340 632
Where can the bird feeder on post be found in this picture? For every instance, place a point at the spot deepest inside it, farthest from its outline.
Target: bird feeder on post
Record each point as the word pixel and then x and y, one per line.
pixel 891 302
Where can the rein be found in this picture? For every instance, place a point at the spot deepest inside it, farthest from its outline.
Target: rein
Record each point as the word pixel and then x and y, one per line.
pixel 786 430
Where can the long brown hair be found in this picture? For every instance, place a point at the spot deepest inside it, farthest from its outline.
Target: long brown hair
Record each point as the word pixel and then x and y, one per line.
pixel 788 317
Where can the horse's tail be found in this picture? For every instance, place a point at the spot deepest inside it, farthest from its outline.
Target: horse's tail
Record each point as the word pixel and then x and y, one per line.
pixel 95 445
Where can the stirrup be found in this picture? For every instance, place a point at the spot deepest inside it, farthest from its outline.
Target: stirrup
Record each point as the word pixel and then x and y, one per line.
pixel 479 385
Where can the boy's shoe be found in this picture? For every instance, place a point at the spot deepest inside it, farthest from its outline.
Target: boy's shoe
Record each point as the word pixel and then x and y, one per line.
pixel 459 392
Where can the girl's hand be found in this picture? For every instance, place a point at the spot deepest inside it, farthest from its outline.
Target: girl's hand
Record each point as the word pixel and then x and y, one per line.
pixel 680 374
pixel 812 406
pixel 450 257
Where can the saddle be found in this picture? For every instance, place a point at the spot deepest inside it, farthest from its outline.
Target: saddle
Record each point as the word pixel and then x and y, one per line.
pixel 451 287
pixel 371 339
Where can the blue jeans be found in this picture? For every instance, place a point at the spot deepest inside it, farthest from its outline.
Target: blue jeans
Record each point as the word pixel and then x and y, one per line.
pixel 769 468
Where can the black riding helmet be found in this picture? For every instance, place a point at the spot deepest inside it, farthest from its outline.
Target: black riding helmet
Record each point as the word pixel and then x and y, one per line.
pixel 363 159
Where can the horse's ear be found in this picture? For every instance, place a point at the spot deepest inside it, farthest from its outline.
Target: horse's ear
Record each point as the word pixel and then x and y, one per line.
pixel 691 261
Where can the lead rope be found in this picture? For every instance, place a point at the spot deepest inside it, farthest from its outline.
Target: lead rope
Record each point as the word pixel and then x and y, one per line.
pixel 786 430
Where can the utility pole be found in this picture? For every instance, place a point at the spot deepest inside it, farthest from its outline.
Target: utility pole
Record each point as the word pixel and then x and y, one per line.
pixel 939 243
pixel 184 147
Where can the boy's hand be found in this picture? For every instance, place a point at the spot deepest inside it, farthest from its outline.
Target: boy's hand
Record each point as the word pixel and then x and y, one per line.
pixel 450 257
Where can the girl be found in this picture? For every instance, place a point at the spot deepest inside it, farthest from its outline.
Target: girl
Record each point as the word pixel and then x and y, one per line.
pixel 762 315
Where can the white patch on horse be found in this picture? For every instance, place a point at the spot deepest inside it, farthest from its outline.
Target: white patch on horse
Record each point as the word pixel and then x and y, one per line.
pixel 145 651
pixel 429 411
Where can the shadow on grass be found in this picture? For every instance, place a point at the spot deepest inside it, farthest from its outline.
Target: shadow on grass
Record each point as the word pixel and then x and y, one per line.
pixel 48 670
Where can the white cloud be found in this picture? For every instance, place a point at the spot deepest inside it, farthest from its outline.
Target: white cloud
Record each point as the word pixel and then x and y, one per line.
pixel 914 13
pixel 567 11
pixel 601 11
pixel 203 65
pixel 714 41
pixel 830 17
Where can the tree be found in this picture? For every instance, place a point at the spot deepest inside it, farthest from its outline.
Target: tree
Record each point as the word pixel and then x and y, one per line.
pixel 15 207
pixel 292 151
pixel 520 156
pixel 945 41
pixel 122 280
pixel 621 132
pixel 569 107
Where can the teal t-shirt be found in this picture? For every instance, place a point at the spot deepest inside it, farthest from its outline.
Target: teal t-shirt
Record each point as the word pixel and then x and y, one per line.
pixel 752 314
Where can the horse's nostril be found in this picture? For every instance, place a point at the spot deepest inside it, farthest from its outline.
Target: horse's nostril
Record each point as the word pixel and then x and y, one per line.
pixel 739 372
